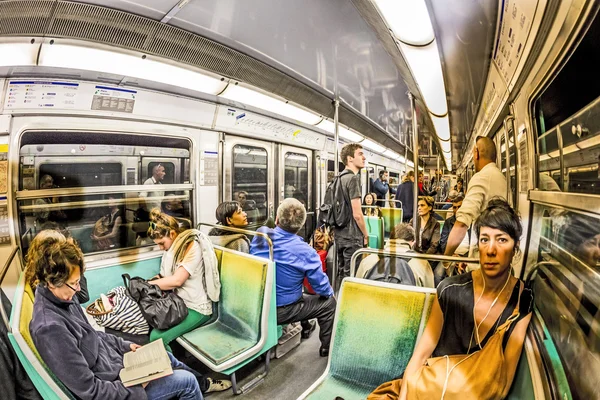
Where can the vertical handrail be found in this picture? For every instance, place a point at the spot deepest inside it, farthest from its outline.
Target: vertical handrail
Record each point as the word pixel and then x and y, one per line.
pixel 336 171
pixel 243 231
pixel 415 133
pixel 3 273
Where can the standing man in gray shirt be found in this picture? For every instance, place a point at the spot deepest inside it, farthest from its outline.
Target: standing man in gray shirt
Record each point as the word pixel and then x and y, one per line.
pixel 354 235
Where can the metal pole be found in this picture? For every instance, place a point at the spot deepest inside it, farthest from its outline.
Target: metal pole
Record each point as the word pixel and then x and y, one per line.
pixel 507 161
pixel 336 108
pixel 416 162
pixel 438 177
pixel 405 158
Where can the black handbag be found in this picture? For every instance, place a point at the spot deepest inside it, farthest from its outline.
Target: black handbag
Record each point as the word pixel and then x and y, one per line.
pixel 162 309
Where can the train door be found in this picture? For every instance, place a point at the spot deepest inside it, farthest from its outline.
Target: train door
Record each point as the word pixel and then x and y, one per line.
pixel 295 179
pixel 249 177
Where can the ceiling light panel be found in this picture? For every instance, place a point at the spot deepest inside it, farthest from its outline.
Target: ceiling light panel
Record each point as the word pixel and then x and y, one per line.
pixel 425 65
pixel 344 132
pixel 257 99
pixel 112 62
pixel 442 127
pixel 408 19
pixel 371 145
pixel 391 154
pixel 18 54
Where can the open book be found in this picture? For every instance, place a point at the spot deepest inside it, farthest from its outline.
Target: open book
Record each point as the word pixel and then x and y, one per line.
pixel 145 364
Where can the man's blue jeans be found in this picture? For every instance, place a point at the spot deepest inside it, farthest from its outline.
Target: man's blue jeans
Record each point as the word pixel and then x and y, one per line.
pixel 181 385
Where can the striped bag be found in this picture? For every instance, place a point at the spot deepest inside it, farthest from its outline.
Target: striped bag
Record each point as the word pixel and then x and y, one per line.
pixel 125 315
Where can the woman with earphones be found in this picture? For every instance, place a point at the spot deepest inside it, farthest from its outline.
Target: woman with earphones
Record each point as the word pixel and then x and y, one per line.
pixel 473 339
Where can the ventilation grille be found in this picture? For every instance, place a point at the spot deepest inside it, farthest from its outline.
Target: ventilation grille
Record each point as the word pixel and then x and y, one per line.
pixel 118 28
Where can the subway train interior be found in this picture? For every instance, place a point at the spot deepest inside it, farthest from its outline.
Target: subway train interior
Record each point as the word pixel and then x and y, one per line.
pixel 251 101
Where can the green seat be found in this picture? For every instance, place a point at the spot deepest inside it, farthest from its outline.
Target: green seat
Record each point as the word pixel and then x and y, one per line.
pixel 44 380
pixel 247 323
pixel 441 225
pixel 376 329
pixel 391 218
pixel 375 227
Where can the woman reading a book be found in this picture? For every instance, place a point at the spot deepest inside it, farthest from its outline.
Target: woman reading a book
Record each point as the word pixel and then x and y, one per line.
pixel 86 361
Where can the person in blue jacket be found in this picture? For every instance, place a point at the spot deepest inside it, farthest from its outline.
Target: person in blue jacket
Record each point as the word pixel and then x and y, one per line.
pixel 381 187
pixel 295 259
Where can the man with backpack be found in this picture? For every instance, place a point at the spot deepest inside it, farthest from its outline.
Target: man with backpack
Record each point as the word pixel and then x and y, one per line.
pixel 349 223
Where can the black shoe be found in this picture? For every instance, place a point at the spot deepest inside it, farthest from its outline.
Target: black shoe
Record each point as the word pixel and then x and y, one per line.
pixel 307 332
pixel 324 351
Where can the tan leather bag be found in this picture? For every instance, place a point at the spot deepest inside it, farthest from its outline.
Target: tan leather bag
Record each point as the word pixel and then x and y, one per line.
pixel 481 375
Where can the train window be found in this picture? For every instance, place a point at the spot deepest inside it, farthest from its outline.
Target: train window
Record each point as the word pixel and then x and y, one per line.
pixel 331 172
pixel 98 222
pixel 58 164
pixel 296 177
pixel 567 114
pixel 250 181
pixel 567 291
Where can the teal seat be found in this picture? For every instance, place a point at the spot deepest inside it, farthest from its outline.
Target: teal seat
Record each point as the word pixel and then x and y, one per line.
pixel 375 332
pixel 375 228
pixel 246 326
pixel 391 218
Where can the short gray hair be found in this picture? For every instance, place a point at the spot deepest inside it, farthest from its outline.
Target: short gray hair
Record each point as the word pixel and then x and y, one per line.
pixel 403 231
pixel 291 215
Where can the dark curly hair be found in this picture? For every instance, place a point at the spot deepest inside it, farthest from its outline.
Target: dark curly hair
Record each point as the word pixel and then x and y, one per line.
pixel 500 215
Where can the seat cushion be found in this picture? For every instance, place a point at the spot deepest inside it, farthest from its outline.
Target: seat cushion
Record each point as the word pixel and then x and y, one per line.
pixel 218 342
pixel 332 387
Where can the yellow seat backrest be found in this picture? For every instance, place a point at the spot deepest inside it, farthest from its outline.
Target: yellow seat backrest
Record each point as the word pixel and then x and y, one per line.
pixel 26 315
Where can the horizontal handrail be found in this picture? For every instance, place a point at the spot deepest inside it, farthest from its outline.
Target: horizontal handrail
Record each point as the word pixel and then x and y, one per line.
pixel 245 232
pixel 77 191
pixel 390 200
pixel 408 254
pixel 3 273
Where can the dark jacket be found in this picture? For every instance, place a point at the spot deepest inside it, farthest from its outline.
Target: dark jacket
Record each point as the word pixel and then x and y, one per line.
pixel 86 361
pixel 14 381
pixel 405 195
pixel 381 188
pixel 448 225
pixel 430 237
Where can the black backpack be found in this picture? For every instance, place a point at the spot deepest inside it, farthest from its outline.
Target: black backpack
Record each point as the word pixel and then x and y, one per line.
pixel 336 210
pixel 392 270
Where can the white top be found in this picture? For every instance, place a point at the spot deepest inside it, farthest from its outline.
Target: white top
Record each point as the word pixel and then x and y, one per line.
pixel 484 185
pixel 156 193
pixel 192 292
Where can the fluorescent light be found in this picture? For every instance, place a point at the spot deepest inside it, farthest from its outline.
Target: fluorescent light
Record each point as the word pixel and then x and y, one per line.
pixel 346 133
pixel 391 154
pixel 112 62
pixel 425 65
pixel 408 19
pixel 257 99
pixel 442 127
pixel 18 54
pixel 371 145
pixel 446 146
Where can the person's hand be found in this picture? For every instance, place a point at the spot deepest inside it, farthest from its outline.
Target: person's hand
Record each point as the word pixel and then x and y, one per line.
pixel 145 384
pixel 154 277
pixel 366 241
pixel 134 347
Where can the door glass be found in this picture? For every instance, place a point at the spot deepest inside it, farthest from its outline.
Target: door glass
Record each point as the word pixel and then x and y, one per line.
pixel 169 167
pixel 250 180
pixel 68 175
pixel 295 182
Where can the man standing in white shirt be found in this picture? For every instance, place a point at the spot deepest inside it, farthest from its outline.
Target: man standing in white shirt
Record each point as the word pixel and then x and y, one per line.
pixel 158 174
pixel 487 183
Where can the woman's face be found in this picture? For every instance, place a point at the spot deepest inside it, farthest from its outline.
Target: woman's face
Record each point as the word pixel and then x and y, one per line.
pixel 496 251
pixel 369 200
pixel 239 218
pixel 459 186
pixel 423 208
pixel 67 290
pixel 164 243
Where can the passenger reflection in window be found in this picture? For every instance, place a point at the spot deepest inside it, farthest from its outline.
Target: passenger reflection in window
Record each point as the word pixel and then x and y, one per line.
pixel 247 205
pixel 580 236
pixel 106 234
pixel 173 206
pixel 158 174
pixel 547 184
pixel 45 214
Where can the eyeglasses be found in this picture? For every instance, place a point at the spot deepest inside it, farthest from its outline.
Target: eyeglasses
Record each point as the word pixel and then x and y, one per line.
pixel 76 288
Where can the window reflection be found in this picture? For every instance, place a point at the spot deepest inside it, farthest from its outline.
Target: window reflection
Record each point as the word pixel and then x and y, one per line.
pixel 296 177
pixel 250 181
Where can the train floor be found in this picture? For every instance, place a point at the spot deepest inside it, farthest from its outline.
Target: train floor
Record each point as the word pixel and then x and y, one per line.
pixel 288 376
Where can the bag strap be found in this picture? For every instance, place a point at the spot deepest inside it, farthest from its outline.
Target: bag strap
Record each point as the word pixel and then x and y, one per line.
pixel 515 314
pixel 126 280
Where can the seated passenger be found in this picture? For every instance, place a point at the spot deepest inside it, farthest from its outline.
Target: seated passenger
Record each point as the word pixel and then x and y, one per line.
pixel 402 239
pixel 370 201
pixel 295 259
pixel 188 266
pixel 452 196
pixel 230 213
pixel 429 237
pixel 106 234
pixel 485 309
pixel 35 255
pixel 44 214
pixel 463 248
pixel 86 361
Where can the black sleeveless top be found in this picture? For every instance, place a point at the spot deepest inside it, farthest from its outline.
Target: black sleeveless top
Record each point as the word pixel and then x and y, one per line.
pixel 456 298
